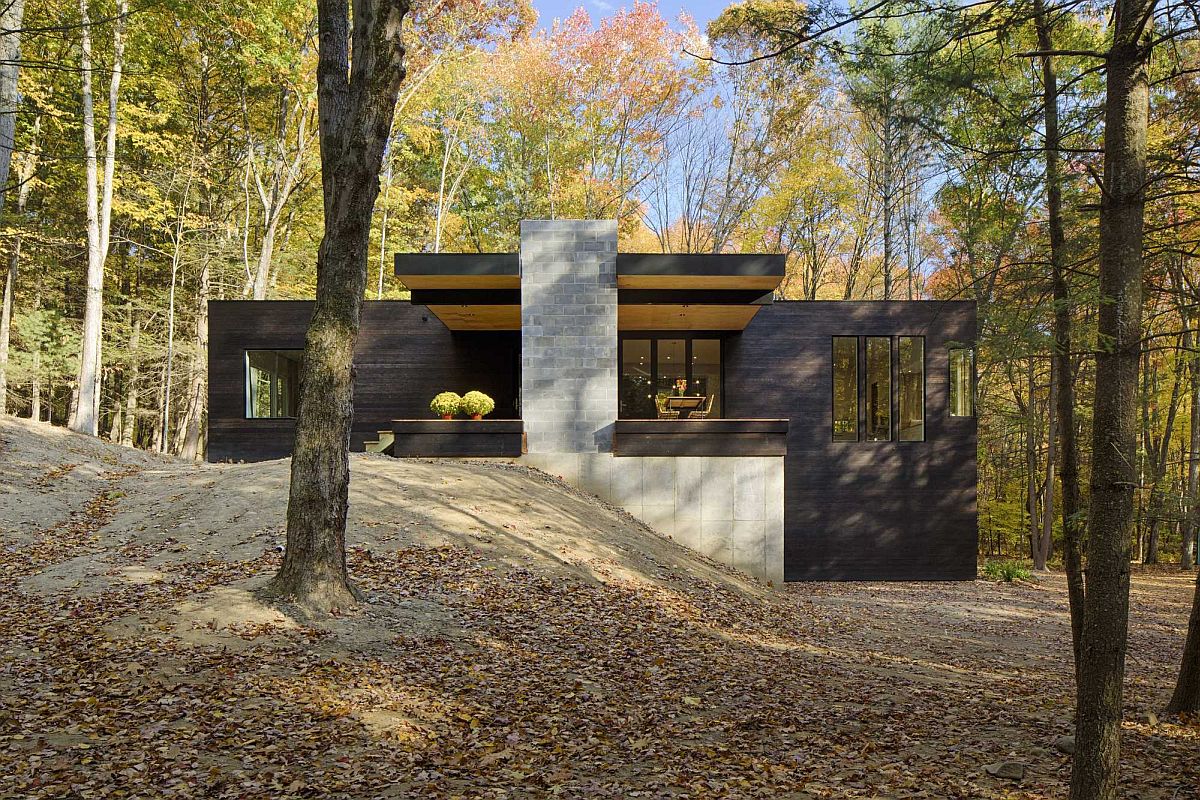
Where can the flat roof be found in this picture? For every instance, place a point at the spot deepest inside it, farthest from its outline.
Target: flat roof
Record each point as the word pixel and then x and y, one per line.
pixel 686 291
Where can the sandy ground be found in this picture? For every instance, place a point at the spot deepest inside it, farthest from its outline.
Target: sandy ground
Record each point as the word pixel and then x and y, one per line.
pixel 519 639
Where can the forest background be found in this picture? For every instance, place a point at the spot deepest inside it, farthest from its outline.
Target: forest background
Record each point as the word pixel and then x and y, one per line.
pixel 171 149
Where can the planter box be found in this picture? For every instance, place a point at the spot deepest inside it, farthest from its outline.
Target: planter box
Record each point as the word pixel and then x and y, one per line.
pixel 457 438
pixel 700 437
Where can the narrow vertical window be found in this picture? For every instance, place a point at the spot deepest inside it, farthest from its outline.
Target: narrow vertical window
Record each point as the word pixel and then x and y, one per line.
pixel 879 388
pixel 962 382
pixel 911 379
pixel 706 373
pixel 845 388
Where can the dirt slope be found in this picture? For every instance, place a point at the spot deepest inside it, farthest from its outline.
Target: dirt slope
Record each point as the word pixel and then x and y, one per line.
pixel 188 512
pixel 520 640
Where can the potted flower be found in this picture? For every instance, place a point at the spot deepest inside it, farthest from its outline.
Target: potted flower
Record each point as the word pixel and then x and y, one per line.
pixel 477 404
pixel 446 405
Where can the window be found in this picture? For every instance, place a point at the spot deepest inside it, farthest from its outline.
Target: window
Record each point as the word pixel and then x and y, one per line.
pixel 272 383
pixel 706 372
pixel 962 382
pixel 879 389
pixel 845 388
pixel 637 387
pixel 911 379
pixel 669 365
pixel 671 376
pixel 892 390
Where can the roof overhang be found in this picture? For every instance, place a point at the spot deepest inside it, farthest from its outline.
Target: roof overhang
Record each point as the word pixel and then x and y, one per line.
pixel 700 271
pixel 481 291
pixel 459 270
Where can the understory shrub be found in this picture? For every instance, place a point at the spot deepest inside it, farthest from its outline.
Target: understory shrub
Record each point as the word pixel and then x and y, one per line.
pixel 1008 571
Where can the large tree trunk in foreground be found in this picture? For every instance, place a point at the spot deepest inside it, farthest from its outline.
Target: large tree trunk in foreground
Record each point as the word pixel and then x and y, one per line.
pixel 355 120
pixel 1114 478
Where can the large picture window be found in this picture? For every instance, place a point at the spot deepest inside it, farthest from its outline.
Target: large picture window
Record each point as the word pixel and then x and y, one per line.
pixel 891 394
pixel 272 383
pixel 845 388
pixel 962 382
pixel 911 379
pixel 656 367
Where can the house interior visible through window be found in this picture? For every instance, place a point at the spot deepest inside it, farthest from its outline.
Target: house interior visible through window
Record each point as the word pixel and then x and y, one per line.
pixel 654 368
pixel 879 388
pixel 906 361
pixel 272 383
pixel 845 388
pixel 911 379
pixel 962 382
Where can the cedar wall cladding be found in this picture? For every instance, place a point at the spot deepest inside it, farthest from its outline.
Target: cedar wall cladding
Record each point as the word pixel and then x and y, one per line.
pixel 404 357
pixel 861 510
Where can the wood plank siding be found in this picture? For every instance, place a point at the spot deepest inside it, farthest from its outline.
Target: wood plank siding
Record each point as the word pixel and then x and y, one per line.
pixel 861 510
pixel 404 357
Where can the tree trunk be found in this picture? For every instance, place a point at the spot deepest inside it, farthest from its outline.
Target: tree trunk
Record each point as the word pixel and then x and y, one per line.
pixel 10 60
pixel 1160 453
pixel 1047 542
pixel 355 114
pixel 191 448
pixel 1114 479
pixel 11 20
pixel 1191 521
pixel 6 312
pixel 35 390
pixel 1032 439
pixel 1186 696
pixel 262 274
pixel 129 431
pixel 86 416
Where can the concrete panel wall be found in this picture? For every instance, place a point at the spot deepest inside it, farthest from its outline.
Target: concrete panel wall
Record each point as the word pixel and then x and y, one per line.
pixel 569 335
pixel 729 509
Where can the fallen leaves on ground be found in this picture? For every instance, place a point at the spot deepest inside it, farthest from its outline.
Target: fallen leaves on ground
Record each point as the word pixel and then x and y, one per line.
pixel 487 680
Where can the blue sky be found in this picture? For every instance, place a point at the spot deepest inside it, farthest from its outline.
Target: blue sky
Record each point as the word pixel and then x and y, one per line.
pixel 701 10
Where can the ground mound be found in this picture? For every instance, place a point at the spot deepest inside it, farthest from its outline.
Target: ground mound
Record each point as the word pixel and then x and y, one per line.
pixel 520 639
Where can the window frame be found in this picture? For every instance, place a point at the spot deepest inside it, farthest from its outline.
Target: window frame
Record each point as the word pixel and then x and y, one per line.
pixel 973 379
pixel 924 391
pixel 863 412
pixel 653 337
pixel 246 385
pixel 858 379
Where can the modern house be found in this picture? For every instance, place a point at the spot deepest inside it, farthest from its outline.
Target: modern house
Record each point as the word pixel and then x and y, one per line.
pixel 794 440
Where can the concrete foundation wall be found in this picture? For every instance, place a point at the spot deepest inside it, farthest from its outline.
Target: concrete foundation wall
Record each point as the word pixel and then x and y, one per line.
pixel 569 335
pixel 729 509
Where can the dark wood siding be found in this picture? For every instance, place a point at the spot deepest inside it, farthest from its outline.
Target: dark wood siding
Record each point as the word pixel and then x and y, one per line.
pixel 861 510
pixel 404 357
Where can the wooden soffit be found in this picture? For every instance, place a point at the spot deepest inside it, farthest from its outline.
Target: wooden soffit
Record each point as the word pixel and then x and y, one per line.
pixel 478 317
pixel 684 317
